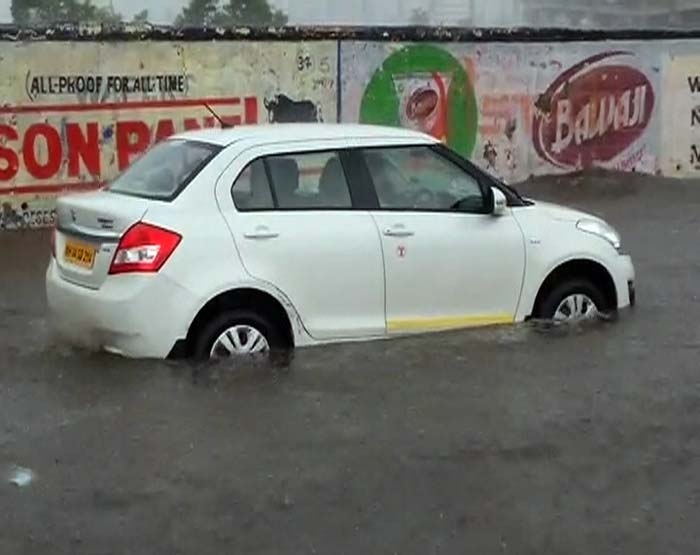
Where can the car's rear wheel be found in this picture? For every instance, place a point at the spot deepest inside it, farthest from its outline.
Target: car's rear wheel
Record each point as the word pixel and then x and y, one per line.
pixel 573 300
pixel 238 332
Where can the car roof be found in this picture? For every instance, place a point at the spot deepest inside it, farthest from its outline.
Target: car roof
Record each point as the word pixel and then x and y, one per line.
pixel 292 132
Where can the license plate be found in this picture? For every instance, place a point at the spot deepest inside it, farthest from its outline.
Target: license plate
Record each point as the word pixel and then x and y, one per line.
pixel 80 255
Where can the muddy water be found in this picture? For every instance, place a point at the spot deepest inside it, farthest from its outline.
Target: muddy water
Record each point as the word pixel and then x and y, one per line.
pixel 524 439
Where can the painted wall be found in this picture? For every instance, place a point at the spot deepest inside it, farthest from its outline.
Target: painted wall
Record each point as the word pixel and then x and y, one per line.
pixel 516 109
pixel 76 113
pixel 681 108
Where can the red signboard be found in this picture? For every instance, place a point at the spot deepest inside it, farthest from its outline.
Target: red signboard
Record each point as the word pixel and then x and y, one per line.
pixel 54 148
pixel 592 112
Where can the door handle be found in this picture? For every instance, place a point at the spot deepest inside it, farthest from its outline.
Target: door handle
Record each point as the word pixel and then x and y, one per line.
pixel 261 233
pixel 398 232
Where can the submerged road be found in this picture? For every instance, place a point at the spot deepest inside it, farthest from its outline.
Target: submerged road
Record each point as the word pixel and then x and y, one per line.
pixel 511 440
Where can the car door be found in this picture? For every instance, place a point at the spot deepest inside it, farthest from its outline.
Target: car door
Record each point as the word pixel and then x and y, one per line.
pixel 294 222
pixel 448 263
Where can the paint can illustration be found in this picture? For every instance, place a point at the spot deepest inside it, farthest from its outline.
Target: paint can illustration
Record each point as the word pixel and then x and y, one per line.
pixel 423 102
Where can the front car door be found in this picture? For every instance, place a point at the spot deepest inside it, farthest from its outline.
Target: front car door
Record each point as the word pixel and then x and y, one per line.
pixel 294 221
pixel 448 263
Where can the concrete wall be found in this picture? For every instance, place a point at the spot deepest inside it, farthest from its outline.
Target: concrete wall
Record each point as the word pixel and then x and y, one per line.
pixel 74 113
pixel 516 109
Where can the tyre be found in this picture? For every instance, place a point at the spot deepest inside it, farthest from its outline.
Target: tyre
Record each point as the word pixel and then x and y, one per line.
pixel 571 300
pixel 239 332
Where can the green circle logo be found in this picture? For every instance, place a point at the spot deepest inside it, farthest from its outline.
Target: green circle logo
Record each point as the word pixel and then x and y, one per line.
pixel 425 88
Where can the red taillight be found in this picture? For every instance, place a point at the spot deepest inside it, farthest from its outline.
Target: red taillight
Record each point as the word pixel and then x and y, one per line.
pixel 144 248
pixel 53 242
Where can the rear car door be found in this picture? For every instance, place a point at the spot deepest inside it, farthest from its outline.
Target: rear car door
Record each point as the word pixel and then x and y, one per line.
pixel 295 224
pixel 448 263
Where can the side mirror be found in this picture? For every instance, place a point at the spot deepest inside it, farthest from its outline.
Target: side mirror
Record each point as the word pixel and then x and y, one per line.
pixel 500 203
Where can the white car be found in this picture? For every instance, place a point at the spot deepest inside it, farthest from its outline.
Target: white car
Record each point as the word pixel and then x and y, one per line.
pixel 247 240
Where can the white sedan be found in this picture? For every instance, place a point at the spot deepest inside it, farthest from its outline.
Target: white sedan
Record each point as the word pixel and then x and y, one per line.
pixel 248 240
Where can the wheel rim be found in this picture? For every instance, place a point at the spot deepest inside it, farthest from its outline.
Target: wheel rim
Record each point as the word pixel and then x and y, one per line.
pixel 238 341
pixel 576 307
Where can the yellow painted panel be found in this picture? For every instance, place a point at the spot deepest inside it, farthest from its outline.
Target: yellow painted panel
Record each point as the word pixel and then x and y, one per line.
pixel 447 323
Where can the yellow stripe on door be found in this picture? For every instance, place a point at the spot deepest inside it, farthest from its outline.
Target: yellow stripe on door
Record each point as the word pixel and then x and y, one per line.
pixel 447 323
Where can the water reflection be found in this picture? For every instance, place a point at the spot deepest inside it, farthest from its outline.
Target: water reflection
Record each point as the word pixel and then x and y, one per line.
pixel 88 376
pixel 230 372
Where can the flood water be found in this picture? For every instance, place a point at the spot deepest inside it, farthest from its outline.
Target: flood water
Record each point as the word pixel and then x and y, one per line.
pixel 522 439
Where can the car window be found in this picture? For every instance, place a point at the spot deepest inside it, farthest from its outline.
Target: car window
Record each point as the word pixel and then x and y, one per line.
pixel 251 190
pixel 309 181
pixel 164 170
pixel 417 178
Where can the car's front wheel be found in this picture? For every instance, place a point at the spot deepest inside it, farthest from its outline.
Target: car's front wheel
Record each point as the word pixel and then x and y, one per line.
pixel 572 300
pixel 238 332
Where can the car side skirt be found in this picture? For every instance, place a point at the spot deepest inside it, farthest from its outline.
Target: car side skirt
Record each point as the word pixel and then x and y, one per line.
pixel 447 323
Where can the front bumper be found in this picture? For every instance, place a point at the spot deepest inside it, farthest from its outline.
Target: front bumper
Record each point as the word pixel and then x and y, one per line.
pixel 632 293
pixel 624 277
pixel 132 315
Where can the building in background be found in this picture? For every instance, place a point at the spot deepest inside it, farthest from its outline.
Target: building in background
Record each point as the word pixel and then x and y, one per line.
pixel 334 12
pixel 499 13
pixel 448 12
pixel 613 14
pixel 602 14
pixel 399 12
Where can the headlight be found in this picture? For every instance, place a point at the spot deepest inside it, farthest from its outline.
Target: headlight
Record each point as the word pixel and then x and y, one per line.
pixel 601 229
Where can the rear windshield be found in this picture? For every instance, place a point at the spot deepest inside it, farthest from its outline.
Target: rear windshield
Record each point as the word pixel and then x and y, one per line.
pixel 164 170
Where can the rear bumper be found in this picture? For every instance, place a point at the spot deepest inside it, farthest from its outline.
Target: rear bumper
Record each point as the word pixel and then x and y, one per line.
pixel 132 315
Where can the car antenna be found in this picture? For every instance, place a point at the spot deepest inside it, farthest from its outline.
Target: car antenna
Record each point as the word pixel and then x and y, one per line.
pixel 224 125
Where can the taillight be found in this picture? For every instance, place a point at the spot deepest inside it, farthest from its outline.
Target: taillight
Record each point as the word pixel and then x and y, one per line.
pixel 53 241
pixel 144 248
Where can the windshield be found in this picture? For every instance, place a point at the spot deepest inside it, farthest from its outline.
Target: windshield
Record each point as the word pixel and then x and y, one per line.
pixel 165 170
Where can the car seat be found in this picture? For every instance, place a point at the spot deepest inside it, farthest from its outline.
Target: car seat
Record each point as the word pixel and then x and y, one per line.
pixel 285 179
pixel 332 186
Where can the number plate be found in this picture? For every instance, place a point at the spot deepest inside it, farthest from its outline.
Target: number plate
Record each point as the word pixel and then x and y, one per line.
pixel 80 255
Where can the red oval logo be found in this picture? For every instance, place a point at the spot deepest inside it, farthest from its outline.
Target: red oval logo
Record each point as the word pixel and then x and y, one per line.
pixel 422 104
pixel 592 112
